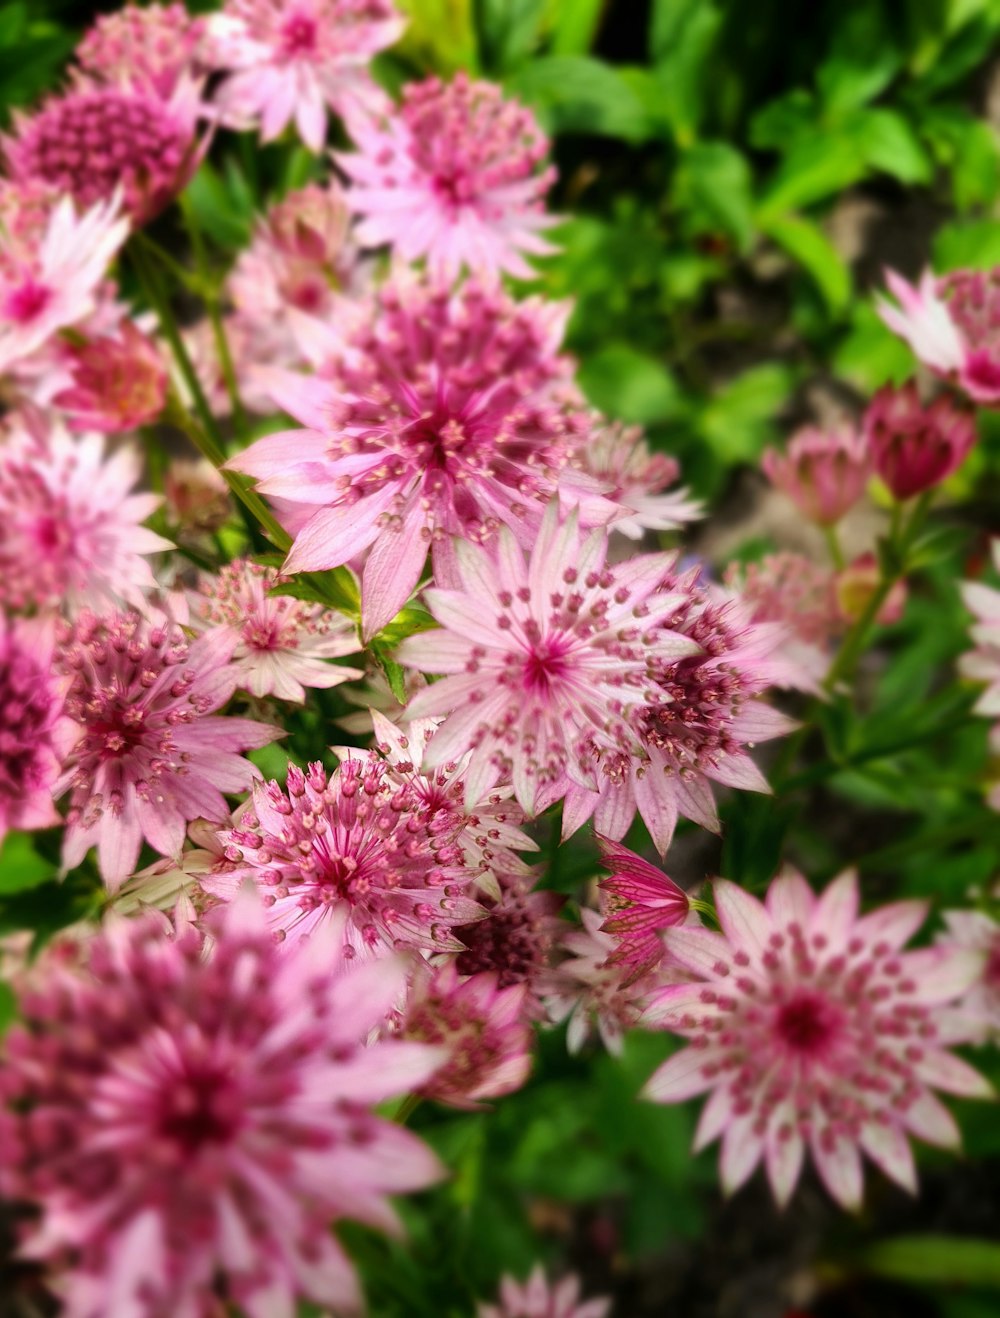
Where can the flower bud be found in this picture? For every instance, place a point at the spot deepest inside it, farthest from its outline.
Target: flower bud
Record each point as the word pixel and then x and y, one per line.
pixel 822 472
pixel 915 447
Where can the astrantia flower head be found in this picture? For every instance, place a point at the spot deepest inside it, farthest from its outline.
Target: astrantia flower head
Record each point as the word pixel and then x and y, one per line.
pixel 915 447
pixel 282 644
pixel 515 939
pixel 117 382
pixel 35 735
pixel 619 459
pixel 455 175
pixel 483 1028
pixel 52 263
pixel 538 1298
pixel 639 901
pixel 151 753
pixel 357 847
pixel 823 472
pixel 699 718
pixel 952 323
pixel 189 1126
pixel 154 46
pixel 71 530
pixel 97 142
pixel 982 664
pixel 291 59
pixel 814 1031
pixel 450 414
pixel 978 1010
pixel 542 655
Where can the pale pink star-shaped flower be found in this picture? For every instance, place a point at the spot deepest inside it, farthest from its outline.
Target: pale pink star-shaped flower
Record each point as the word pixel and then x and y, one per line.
pixel 539 1298
pixel 638 480
pixel 978 1011
pixel 982 663
pixel 455 174
pixel 814 1031
pixel 190 1117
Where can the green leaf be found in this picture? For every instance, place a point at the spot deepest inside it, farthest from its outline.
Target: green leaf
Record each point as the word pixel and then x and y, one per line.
pixel 510 31
pixel 8 1007
pixel 407 622
pixel 967 243
pixel 21 867
pixel 574 25
pixel 577 94
pixel 737 421
pixel 819 165
pixel 713 184
pixel 947 1260
pixel 682 39
pixel 889 143
pixel 395 673
pixel 806 243
pixel 336 588
pixel 857 73
pixel 224 216
pixel 629 385
pixel 871 355
pixel 440 35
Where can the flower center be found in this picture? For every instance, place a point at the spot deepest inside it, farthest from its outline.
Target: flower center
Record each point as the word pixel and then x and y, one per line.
pixel 26 302
pixel 200 1109
pixel 544 665
pixel 298 35
pixel 807 1024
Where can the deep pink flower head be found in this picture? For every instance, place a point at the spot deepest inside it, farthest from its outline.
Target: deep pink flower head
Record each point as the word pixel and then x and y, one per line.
pixel 152 753
pixel 154 46
pixel 71 532
pixel 815 1031
pixel 700 717
pixel 190 1125
pixel 538 1298
pixel 282 644
pixel 52 264
pixel 488 1039
pixel 353 846
pixel 823 472
pixel 455 175
pixel 915 447
pixel 99 142
pixel 516 938
pixel 449 414
pixel 118 382
pixel 619 459
pixel 542 654
pixel 639 901
pixel 35 735
pixel 952 323
pixel 291 59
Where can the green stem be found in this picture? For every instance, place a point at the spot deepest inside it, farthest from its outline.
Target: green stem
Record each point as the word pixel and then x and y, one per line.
pixel 833 544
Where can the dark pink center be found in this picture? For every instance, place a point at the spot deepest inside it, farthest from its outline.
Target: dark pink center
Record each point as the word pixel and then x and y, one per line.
pixel 25 303
pixel 199 1109
pixel 807 1024
pixel 298 35
pixel 544 665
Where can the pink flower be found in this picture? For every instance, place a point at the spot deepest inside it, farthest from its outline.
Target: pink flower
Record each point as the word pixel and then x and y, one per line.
pixel 98 143
pixel 823 472
pixel 454 174
pixel 118 382
pixel 542 655
pixel 978 1011
pixel 952 324
pixel 515 939
pixel 914 447
pixel 155 46
pixel 293 58
pixel 813 1031
pixel 353 846
pixel 537 1298
pixel 71 530
pixel 189 1125
pixel 619 459
pixel 482 1027
pixel 854 586
pixel 640 901
pixel 700 715
pixel 449 414
pixel 282 644
pixel 152 753
pixel 35 735
pixel 982 664
pixel 52 263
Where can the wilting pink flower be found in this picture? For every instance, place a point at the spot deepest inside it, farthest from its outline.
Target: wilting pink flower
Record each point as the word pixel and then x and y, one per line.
pixel 482 1027
pixel 696 723
pixel 854 586
pixel 153 46
pixel 952 325
pixel 455 174
pixel 978 1010
pixel 823 472
pixel 541 656
pixel 915 447
pixel 639 901
pixel 152 753
pixel 354 846
pixel 800 595
pixel 52 263
pixel 189 1126
pixel 450 414
pixel 196 495
pixel 35 735
pixel 814 1031
pixel 282 644
pixel 515 939
pixel 538 1298
pixel 291 59
pixel 71 530
pixel 593 990
pixel 118 382
pixel 629 475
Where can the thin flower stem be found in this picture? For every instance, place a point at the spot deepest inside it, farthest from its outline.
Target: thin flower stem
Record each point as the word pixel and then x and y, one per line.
pixel 833 544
